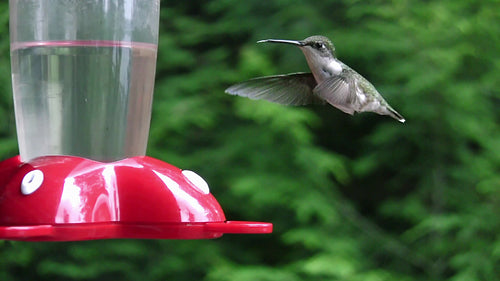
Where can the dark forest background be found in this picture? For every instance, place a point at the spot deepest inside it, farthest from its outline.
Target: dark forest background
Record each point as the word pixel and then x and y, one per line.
pixel 358 197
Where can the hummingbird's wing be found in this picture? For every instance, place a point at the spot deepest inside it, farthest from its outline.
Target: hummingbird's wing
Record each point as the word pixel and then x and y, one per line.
pixel 289 89
pixel 338 91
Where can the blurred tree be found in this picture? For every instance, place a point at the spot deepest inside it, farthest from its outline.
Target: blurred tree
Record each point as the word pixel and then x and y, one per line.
pixel 351 197
pixel 7 124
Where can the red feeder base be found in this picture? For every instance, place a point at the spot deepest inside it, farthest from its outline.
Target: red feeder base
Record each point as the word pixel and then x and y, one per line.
pixel 66 198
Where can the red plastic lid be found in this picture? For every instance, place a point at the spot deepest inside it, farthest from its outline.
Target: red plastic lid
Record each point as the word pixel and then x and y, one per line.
pixel 63 198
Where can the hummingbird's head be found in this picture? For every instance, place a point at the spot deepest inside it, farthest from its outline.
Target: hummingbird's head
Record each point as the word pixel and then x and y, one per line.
pixel 313 46
pixel 319 52
pixel 318 45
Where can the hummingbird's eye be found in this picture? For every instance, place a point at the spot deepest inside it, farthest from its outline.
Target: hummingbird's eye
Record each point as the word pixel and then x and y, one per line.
pixel 319 45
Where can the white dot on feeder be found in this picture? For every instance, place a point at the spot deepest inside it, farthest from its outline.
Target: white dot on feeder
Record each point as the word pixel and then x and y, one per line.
pixel 197 181
pixel 31 182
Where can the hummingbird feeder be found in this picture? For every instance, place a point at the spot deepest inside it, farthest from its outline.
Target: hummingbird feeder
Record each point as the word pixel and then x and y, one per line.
pixel 83 79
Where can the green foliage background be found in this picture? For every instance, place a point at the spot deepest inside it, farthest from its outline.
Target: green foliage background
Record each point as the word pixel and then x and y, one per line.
pixel 351 197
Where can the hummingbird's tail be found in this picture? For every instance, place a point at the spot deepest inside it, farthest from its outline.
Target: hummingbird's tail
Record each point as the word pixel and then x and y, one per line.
pixel 394 114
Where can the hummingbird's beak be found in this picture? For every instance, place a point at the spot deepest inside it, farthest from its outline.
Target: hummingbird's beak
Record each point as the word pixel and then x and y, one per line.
pixel 292 42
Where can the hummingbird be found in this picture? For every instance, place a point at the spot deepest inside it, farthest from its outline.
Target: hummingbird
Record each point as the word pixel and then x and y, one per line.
pixel 330 81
